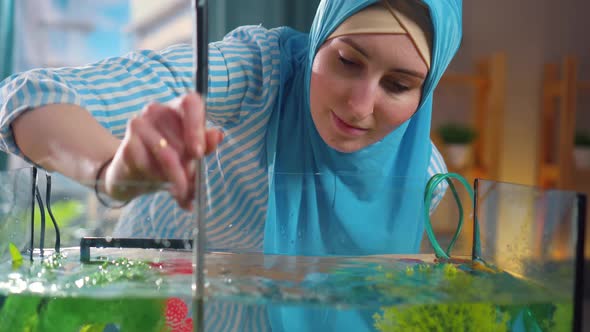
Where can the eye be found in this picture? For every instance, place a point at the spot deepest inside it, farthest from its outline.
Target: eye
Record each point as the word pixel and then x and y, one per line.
pixel 345 61
pixel 395 87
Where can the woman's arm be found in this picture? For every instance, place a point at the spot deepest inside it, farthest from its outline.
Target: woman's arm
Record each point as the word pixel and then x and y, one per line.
pixel 111 91
pixel 74 120
pixel 65 138
pixel 71 120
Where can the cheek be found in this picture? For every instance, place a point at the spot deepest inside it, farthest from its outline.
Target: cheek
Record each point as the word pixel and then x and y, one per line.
pixel 396 113
pixel 323 86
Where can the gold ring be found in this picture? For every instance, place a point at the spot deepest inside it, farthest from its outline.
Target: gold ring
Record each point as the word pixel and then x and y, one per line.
pixel 163 143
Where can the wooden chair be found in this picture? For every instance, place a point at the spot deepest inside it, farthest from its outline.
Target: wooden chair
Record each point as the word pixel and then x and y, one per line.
pixel 558 124
pixel 487 84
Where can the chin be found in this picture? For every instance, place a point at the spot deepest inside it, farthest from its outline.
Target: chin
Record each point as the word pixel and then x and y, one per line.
pixel 346 148
pixel 343 146
pixel 333 140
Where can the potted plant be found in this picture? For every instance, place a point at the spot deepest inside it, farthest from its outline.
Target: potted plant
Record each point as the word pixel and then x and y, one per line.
pixel 457 139
pixel 582 150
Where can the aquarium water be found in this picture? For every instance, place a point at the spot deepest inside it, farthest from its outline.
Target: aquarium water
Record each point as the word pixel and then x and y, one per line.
pixel 150 290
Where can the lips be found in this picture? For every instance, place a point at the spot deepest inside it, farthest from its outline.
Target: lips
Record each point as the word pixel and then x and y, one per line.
pixel 346 128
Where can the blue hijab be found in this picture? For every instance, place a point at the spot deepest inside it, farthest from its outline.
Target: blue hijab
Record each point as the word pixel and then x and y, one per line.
pixel 324 202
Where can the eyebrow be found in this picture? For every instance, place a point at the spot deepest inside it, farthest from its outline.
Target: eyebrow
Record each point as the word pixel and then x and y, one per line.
pixel 358 48
pixel 354 45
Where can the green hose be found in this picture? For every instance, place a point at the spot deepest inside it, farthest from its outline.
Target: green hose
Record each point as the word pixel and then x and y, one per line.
pixel 430 188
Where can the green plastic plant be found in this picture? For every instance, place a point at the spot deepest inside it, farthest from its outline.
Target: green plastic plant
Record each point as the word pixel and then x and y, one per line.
pixel 33 313
pixel 563 318
pixel 459 316
pixel 582 139
pixel 473 303
pixel 453 133
pixel 442 317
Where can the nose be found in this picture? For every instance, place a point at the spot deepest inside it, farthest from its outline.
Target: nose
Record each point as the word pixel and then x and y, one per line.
pixel 361 99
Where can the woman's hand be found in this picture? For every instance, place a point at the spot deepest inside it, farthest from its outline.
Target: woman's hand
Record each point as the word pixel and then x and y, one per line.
pixel 160 146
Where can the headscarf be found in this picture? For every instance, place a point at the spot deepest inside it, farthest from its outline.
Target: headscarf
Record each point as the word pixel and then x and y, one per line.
pixel 324 202
pixel 399 18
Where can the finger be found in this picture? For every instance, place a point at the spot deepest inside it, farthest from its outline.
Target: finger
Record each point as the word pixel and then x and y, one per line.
pixel 135 154
pixel 214 138
pixel 131 162
pixel 168 159
pixel 168 121
pixel 190 170
pixel 193 111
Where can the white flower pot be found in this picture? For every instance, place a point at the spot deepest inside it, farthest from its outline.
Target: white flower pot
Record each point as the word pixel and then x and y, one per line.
pixel 582 157
pixel 458 154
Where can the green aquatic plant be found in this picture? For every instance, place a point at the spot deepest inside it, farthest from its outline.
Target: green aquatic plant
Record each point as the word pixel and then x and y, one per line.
pixel 442 317
pixel 36 314
pixel 563 318
pixel 121 269
pixel 560 318
pixel 130 314
pixel 461 316
pixel 19 314
pixel 442 279
pixel 465 297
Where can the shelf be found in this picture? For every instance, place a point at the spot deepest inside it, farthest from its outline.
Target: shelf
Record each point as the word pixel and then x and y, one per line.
pixel 561 88
pixel 486 84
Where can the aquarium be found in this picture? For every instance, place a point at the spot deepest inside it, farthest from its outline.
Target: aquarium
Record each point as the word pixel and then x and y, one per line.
pixel 526 274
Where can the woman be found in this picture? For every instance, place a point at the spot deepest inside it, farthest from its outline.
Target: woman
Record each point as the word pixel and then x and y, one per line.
pixel 325 147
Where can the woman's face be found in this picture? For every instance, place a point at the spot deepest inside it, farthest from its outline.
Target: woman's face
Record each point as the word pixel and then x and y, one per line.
pixel 363 87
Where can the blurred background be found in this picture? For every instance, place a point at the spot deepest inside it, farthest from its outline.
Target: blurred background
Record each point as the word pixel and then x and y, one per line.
pixel 514 105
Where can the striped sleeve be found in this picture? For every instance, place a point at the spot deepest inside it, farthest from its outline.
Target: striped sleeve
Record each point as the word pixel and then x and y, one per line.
pixel 112 90
pixel 241 69
pixel 236 217
pixel 437 166
pixel 243 74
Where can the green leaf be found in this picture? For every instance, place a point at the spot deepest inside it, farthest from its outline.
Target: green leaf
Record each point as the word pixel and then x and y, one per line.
pixel 19 313
pixel 93 328
pixel 17 258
